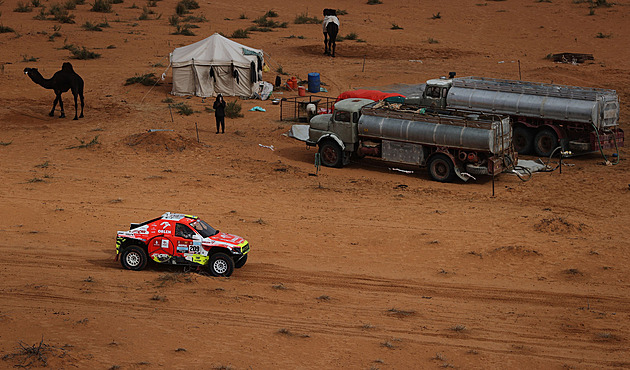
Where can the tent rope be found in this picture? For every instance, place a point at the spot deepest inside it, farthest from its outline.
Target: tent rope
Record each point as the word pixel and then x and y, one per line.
pixel 163 76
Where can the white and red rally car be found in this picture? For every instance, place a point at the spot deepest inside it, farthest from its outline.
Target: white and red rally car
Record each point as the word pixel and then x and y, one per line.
pixel 179 239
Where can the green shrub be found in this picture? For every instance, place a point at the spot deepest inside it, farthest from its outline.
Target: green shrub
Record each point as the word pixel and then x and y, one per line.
pixel 183 109
pixel 70 5
pixel 195 19
pixel 173 20
pixel 61 14
pixel 5 29
pixel 183 29
pixel 148 79
pixel 240 34
pixel 341 12
pixel 233 109
pixel 242 16
pixel 36 3
pixel 180 9
pixel 431 40
pixel 436 16
pixel 374 2
pixel 102 6
pixel 271 14
pixel 396 27
pixel 81 53
pixel 305 19
pixel 22 8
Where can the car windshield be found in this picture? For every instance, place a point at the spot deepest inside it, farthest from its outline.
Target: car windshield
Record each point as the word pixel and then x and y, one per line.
pixel 203 228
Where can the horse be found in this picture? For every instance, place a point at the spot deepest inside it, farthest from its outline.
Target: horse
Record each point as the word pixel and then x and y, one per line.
pixel 331 29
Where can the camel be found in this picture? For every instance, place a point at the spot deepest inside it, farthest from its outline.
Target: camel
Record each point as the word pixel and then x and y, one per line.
pixel 331 28
pixel 61 81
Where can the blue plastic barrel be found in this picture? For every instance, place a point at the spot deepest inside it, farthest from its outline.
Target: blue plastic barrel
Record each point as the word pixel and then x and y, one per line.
pixel 313 82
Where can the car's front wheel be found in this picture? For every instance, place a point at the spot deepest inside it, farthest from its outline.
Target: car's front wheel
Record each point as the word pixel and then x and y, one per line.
pixel 221 265
pixel 134 258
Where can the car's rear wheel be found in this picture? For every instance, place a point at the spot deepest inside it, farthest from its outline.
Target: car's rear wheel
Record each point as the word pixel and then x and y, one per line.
pixel 241 262
pixel 221 265
pixel 134 258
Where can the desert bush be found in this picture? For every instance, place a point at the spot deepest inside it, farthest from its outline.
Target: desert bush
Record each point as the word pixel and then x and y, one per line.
pixel 36 3
pixel 22 8
pixel 89 26
pixel 431 40
pixel 53 36
pixel 190 4
pixel 81 53
pixel 183 109
pixel 242 16
pixel 152 3
pixel 70 5
pixel 145 14
pixel 180 9
pixel 195 19
pixel 264 22
pixel 102 6
pixel 173 20
pixel 240 34
pixel 303 18
pixel 374 2
pixel 258 29
pixel 61 14
pixel 147 79
pixel 436 16
pixel 603 35
pixel 26 58
pixel 5 29
pixel 271 14
pixel 233 109
pixel 183 29
pixel 396 27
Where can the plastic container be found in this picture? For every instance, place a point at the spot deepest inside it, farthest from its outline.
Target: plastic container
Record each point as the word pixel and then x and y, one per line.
pixel 301 91
pixel 313 82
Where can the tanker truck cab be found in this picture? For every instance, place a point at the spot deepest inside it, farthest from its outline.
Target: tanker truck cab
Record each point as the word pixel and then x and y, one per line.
pixel 435 92
pixel 336 134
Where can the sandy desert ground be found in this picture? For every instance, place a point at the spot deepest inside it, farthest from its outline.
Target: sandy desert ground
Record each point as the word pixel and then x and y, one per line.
pixel 360 267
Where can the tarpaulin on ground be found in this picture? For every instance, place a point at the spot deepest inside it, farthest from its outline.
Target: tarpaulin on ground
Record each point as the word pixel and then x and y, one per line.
pixel 375 95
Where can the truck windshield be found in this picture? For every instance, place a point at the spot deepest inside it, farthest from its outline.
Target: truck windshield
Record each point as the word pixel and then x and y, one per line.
pixel 203 228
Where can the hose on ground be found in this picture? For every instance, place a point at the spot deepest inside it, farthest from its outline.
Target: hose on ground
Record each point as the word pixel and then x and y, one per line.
pixel 601 150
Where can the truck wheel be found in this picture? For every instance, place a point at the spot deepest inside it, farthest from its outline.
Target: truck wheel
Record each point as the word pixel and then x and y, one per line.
pixel 240 263
pixel 545 141
pixel 134 258
pixel 523 139
pixel 221 265
pixel 331 154
pixel 441 168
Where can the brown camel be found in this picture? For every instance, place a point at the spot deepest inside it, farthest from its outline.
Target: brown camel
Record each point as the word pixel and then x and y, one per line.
pixel 61 81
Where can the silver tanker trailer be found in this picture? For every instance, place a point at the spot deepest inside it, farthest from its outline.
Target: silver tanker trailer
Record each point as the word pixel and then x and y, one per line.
pixel 449 143
pixel 544 116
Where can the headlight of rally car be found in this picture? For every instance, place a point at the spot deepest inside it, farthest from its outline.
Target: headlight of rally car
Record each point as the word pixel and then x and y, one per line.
pixel 237 250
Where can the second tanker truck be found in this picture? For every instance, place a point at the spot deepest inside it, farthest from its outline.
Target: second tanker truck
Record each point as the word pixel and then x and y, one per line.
pixel 544 116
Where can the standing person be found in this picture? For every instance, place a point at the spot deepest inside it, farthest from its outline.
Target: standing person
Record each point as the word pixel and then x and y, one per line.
pixel 219 113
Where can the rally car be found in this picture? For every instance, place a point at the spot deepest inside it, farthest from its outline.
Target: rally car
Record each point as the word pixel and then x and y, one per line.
pixel 179 239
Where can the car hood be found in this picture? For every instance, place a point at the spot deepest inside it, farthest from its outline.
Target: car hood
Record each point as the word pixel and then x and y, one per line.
pixel 223 239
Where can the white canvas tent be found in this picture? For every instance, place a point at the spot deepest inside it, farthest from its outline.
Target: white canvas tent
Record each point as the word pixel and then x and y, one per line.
pixel 216 65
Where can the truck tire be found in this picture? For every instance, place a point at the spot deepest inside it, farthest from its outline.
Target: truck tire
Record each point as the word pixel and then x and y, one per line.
pixel 440 168
pixel 545 141
pixel 221 265
pixel 330 154
pixel 134 258
pixel 523 139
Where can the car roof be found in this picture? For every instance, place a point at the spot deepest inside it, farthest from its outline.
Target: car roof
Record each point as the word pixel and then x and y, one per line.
pixel 177 216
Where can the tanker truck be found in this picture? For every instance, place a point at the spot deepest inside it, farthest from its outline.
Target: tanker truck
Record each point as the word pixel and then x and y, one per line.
pixel 450 143
pixel 544 116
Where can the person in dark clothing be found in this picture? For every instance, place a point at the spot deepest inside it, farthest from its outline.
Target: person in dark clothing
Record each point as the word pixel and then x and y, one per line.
pixel 219 113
